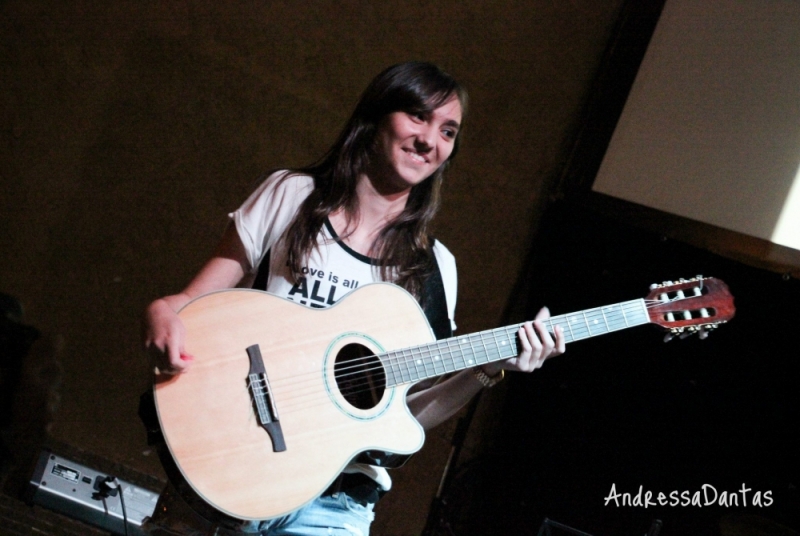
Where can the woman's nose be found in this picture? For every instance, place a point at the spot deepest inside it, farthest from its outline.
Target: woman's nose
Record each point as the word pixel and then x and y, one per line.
pixel 425 137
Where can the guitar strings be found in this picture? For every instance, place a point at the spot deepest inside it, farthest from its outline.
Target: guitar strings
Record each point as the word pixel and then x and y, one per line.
pixel 438 346
pixel 608 313
pixel 609 317
pixel 356 367
pixel 365 383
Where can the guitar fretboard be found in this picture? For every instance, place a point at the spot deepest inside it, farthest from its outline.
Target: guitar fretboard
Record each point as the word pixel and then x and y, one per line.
pixel 409 365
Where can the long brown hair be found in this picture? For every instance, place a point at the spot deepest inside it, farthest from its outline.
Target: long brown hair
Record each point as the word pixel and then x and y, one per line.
pixel 403 249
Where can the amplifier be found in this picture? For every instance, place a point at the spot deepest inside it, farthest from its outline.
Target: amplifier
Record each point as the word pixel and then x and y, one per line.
pixel 80 493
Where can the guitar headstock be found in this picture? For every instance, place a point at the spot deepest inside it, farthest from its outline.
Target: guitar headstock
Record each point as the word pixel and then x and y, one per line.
pixel 689 306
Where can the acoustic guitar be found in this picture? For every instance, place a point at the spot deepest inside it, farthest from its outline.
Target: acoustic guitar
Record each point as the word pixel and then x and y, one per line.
pixel 281 397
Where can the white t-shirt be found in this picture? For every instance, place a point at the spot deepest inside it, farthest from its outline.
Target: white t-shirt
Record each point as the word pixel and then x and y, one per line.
pixel 333 270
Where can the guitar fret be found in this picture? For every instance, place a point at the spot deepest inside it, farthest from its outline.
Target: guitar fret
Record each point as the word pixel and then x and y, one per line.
pixel 403 362
pixel 566 329
pixel 511 336
pixel 437 360
pixel 386 365
pixel 610 315
pixel 496 344
pixel 581 327
pixel 513 350
pixel 504 343
pixel 464 363
pixel 392 360
pixel 621 321
pixel 433 359
pixel 412 365
pixel 467 353
pixel 431 353
pixel 450 354
pixel 408 365
pixel 555 322
pixel 595 323
pixel 488 350
pixel 602 312
pixel 443 356
pixel 398 363
pixel 416 362
pixel 639 311
pixel 492 349
pixel 420 364
pixel 578 328
pixel 430 364
pixel 624 317
pixel 485 350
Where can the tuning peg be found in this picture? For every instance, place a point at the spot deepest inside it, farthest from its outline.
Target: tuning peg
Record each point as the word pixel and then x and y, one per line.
pixel 703 334
pixel 668 337
pixel 686 334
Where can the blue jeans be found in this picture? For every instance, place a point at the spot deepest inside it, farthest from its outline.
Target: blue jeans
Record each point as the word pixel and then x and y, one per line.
pixel 334 515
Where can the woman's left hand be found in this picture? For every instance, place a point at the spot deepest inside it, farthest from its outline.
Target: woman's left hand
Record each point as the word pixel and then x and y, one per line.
pixel 536 344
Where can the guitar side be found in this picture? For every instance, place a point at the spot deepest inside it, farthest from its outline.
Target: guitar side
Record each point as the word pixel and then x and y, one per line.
pixel 207 414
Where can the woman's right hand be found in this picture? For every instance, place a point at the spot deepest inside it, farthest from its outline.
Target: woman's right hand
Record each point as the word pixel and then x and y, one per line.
pixel 164 334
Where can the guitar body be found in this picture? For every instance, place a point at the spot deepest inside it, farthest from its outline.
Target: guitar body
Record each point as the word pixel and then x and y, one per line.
pixel 281 397
pixel 207 414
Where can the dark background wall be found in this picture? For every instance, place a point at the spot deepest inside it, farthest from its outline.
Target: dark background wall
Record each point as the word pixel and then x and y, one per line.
pixel 629 410
pixel 129 129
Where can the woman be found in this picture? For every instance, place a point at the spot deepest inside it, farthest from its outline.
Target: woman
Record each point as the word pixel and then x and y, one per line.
pixel 361 214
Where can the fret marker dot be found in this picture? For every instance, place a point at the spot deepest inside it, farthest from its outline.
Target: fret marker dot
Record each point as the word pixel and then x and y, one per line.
pixel 596 322
pixel 503 343
pixel 419 362
pixel 470 361
pixel 436 357
pixel 463 341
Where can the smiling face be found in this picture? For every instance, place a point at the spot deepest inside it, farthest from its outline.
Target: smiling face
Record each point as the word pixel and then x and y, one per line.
pixel 414 145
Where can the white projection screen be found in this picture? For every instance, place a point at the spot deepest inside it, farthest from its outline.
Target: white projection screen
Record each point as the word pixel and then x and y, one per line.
pixel 711 128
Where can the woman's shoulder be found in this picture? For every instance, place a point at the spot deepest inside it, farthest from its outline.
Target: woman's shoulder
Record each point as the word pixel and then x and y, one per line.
pixel 282 187
pixel 447 269
pixel 446 262
pixel 443 254
pixel 288 180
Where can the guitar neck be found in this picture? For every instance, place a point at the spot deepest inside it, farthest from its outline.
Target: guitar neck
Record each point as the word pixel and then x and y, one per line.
pixel 410 365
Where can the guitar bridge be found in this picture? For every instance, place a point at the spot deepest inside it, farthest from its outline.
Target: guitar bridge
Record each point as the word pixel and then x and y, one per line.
pixel 263 403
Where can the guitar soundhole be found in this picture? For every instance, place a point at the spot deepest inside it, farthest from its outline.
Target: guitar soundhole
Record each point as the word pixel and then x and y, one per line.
pixel 359 376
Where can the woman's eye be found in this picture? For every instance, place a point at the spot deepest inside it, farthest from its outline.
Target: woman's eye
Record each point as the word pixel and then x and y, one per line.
pixel 419 116
pixel 449 133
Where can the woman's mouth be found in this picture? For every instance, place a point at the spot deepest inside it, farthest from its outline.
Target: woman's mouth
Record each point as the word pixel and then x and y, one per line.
pixel 415 156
